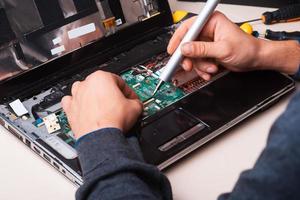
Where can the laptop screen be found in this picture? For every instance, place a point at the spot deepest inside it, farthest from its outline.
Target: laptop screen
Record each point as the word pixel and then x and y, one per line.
pixel 34 32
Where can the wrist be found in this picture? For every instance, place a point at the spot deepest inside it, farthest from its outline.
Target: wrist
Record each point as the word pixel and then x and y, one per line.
pixel 282 56
pixel 89 128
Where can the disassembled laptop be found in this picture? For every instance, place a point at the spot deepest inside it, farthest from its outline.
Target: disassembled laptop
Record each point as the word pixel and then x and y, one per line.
pixel 38 119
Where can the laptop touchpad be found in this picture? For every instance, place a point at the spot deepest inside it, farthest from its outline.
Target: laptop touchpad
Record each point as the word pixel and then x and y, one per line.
pixel 172 129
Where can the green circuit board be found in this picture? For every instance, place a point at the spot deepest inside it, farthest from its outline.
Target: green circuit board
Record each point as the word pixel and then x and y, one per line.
pixel 66 132
pixel 144 85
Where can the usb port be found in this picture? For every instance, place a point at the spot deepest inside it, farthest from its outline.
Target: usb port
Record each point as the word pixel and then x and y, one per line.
pixel 47 158
pixel 2 123
pixel 27 142
pixel 15 133
pixel 36 150
pixel 76 182
pixel 55 165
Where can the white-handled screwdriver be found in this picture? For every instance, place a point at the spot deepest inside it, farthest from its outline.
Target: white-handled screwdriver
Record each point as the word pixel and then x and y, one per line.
pixel 191 35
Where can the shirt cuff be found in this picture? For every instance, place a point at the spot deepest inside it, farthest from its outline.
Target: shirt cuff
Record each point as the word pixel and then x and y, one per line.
pixel 103 148
pixel 103 130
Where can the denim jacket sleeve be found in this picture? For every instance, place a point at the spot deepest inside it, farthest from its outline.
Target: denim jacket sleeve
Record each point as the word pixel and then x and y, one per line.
pixel 276 174
pixel 297 75
pixel 113 168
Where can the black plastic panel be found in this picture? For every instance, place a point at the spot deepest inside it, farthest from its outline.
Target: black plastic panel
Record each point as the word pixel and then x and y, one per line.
pixel 218 104
pixel 50 11
pixel 116 9
pixel 82 5
pixel 168 126
pixel 6 33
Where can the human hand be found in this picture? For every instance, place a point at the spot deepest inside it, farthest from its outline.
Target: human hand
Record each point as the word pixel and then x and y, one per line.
pixel 102 100
pixel 223 42
pixel 220 42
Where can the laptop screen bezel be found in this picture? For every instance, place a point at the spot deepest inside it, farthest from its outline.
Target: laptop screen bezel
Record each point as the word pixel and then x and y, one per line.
pixel 54 68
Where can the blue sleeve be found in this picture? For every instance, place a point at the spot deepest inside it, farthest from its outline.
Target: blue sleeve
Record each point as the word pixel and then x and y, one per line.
pixel 297 75
pixel 113 168
pixel 276 174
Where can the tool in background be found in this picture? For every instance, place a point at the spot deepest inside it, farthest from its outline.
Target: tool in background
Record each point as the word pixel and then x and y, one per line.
pixel 191 35
pixel 271 35
pixel 285 14
pixel 282 35
pixel 247 28
pixel 181 15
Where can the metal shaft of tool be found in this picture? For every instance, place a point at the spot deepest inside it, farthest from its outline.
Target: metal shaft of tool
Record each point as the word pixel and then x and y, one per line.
pixel 248 21
pixel 157 87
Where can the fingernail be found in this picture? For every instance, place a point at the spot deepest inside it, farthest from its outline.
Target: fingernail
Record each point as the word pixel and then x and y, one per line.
pixel 210 70
pixel 187 49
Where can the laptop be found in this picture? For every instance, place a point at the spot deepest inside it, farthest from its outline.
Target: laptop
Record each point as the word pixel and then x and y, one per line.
pixel 45 46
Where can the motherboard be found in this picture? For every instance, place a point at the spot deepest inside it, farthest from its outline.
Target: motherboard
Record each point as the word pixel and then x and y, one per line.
pixel 143 79
pixel 144 85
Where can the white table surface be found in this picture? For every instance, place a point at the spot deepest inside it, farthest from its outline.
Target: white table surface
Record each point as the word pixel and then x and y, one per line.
pixel 204 174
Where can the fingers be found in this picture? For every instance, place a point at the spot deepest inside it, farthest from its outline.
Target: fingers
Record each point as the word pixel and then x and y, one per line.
pixel 125 89
pixel 75 87
pixel 179 34
pixel 202 50
pixel 66 103
pixel 207 34
pixel 204 65
pixel 208 31
pixel 187 64
pixel 203 75
pixel 136 105
pixel 205 68
pixel 110 79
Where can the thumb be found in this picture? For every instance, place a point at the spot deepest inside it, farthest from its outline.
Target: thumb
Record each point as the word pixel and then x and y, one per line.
pixel 202 50
pixel 66 103
pixel 136 106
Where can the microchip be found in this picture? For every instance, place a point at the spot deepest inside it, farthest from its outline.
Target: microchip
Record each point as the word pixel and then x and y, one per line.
pixel 51 123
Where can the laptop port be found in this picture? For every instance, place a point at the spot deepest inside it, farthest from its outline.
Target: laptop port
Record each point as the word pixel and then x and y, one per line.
pixel 2 123
pixel 63 171
pixel 76 182
pixel 15 133
pixel 36 150
pixel 27 142
pixel 55 165
pixel 47 158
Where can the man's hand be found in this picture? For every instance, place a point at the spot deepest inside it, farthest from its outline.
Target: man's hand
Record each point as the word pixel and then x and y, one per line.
pixel 103 100
pixel 223 42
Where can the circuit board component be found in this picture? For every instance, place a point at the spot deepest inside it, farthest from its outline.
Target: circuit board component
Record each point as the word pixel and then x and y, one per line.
pixel 51 122
pixel 144 85
pixel 57 124
pixel 66 134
